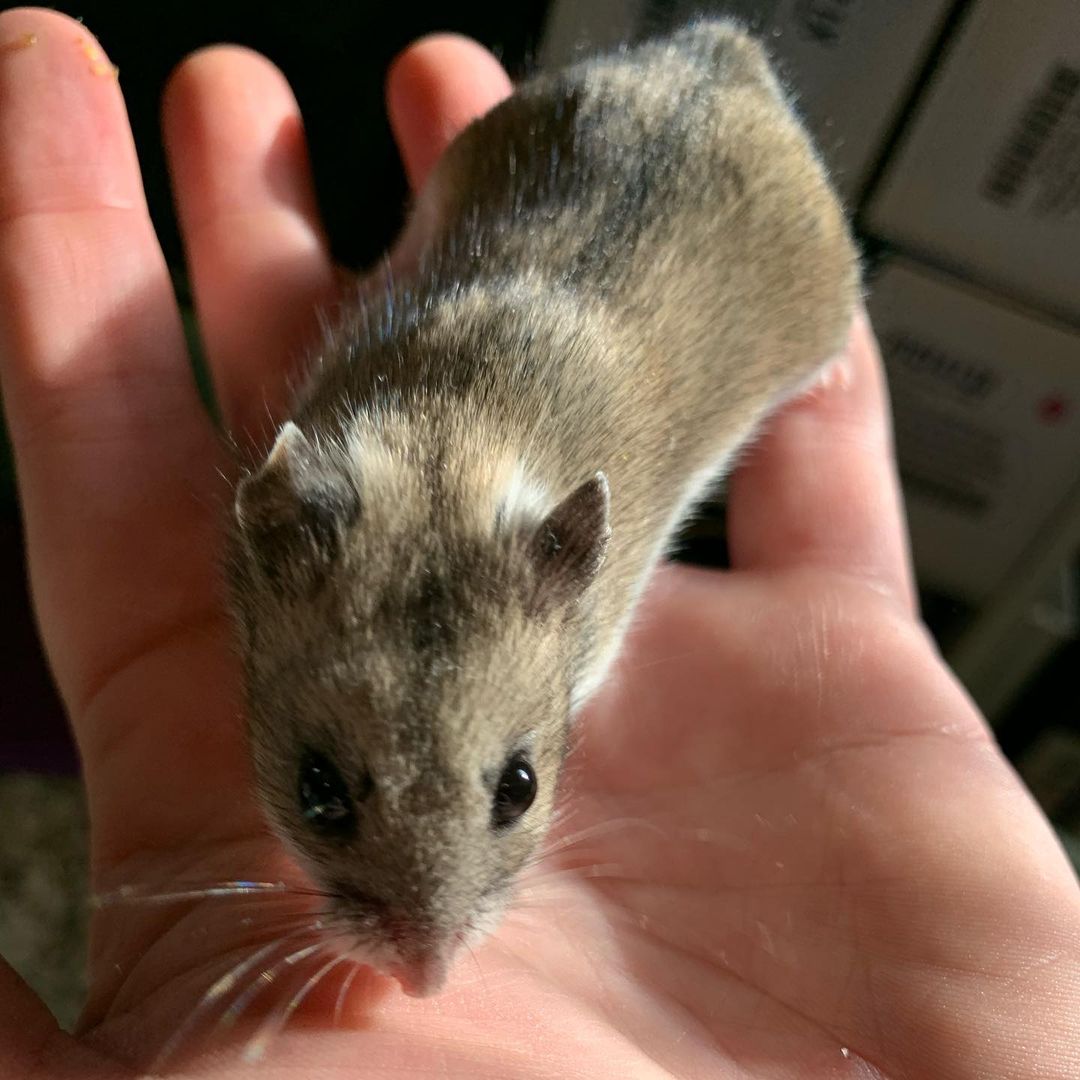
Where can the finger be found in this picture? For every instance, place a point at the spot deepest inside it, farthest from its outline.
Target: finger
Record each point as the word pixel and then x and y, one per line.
pixel 434 89
pixel 116 458
pixel 111 443
pixel 820 489
pixel 258 259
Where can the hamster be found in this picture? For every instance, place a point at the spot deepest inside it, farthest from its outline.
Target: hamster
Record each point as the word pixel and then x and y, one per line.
pixel 629 263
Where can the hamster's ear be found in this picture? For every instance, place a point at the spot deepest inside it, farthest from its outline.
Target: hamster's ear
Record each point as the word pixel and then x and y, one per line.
pixel 568 547
pixel 297 497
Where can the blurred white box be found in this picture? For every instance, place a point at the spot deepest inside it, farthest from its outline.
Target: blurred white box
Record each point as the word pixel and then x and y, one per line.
pixel 986 399
pixel 852 65
pixel 986 180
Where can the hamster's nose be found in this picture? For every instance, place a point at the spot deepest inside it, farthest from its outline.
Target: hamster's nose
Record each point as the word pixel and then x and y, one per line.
pixel 422 971
pixel 424 949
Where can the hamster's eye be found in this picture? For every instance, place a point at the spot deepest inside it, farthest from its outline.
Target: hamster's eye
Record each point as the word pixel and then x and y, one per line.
pixel 514 792
pixel 324 797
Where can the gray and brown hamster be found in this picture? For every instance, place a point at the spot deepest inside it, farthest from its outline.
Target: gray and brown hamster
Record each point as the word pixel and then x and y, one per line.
pixel 630 263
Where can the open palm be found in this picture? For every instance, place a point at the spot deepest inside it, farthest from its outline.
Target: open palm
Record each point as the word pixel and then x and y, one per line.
pixel 789 847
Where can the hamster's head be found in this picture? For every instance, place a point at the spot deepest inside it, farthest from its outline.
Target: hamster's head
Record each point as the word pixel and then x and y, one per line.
pixel 411 664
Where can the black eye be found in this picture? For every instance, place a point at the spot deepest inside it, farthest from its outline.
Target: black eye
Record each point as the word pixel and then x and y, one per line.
pixel 514 792
pixel 324 797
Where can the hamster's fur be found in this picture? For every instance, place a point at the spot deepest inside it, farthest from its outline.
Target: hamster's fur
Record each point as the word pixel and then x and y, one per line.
pixel 629 263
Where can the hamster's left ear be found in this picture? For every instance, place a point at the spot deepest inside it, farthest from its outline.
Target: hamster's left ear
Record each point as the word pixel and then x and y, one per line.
pixel 568 547
pixel 297 497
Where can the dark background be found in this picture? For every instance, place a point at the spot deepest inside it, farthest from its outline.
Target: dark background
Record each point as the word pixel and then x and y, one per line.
pixel 335 53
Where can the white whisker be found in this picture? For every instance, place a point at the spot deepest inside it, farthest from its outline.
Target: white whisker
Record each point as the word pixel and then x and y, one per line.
pixel 275 1023
pixel 267 977
pixel 343 993
pixel 526 902
pixel 589 870
pixel 131 894
pixel 224 985
pixel 598 830
pixel 476 964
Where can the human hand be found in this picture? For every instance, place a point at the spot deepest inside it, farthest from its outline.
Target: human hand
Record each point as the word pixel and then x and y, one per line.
pixel 790 846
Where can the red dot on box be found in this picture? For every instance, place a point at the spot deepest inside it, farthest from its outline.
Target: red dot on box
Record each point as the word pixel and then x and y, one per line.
pixel 1053 408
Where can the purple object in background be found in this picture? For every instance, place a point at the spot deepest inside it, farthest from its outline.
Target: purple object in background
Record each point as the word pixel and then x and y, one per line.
pixel 34 732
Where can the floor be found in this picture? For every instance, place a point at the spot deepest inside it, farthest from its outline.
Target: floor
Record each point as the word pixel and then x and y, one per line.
pixel 43 887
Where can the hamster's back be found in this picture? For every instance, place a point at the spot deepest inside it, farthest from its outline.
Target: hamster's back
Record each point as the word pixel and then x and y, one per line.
pixel 662 176
pixel 630 262
pixel 659 222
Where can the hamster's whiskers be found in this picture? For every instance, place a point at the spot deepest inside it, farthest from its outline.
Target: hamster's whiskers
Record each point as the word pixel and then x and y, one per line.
pixel 586 870
pixel 603 828
pixel 462 938
pixel 133 894
pixel 292 928
pixel 277 1021
pixel 563 844
pixel 343 993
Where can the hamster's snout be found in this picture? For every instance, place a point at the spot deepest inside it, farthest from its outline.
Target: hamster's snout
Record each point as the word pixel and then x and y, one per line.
pixel 421 953
pixel 422 969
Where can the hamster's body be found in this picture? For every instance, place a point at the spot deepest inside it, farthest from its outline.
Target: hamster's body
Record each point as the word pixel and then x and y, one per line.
pixel 629 264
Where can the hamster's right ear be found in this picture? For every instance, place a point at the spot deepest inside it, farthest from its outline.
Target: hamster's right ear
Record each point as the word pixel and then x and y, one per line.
pixel 568 547
pixel 297 497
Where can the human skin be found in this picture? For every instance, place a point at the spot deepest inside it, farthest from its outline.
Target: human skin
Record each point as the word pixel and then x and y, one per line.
pixel 791 847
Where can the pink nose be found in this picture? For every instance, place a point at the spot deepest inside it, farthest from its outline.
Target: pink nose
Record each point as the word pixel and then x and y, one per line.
pixel 422 972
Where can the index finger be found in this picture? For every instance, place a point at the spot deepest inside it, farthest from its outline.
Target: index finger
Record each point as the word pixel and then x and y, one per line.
pixel 112 445
pixel 115 454
pixel 820 488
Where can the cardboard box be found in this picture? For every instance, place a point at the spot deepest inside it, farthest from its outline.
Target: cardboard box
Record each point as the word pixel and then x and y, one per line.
pixel 851 65
pixel 986 180
pixel 986 399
